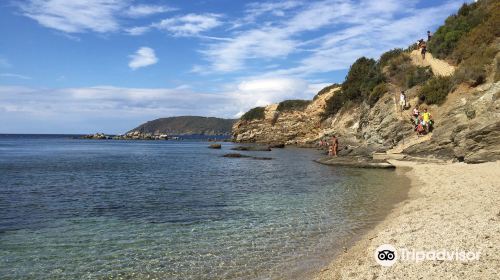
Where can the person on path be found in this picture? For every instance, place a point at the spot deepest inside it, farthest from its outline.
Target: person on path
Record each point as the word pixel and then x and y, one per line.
pixel 429 36
pixel 423 46
pixel 426 119
pixel 402 100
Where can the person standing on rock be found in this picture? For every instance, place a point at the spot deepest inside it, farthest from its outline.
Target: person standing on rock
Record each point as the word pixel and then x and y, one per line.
pixel 335 146
pixel 429 36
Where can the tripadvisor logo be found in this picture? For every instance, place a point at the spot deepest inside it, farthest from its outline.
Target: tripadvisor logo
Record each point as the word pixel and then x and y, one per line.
pixel 387 255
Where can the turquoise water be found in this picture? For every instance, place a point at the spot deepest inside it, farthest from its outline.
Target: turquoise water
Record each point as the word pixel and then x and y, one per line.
pixel 83 209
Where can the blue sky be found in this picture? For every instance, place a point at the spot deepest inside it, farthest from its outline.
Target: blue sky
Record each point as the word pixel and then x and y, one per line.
pixel 83 66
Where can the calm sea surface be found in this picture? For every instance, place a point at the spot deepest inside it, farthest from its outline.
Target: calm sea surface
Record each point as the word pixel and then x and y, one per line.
pixel 85 209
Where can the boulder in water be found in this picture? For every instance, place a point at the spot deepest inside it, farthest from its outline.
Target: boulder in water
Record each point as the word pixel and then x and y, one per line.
pixel 215 146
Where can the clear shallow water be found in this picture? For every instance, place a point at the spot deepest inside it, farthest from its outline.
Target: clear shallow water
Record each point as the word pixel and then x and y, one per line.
pixel 73 209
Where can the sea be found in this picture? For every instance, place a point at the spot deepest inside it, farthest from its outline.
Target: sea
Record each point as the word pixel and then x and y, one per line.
pixel 112 209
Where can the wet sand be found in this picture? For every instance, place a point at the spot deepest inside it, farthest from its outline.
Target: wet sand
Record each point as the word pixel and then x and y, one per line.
pixel 458 207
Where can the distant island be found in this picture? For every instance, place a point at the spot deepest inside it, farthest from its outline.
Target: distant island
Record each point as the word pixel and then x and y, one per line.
pixel 169 128
pixel 187 125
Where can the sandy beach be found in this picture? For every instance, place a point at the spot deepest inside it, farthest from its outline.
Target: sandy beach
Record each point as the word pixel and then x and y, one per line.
pixel 452 207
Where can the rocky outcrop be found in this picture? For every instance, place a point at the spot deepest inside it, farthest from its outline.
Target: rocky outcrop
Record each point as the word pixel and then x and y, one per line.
pixel 467 126
pixel 289 127
pixel 215 146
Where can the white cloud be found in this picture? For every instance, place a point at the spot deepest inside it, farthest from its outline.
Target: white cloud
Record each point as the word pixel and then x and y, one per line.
pixel 79 16
pixel 345 30
pixel 147 10
pixel 16 76
pixel 257 9
pixel 231 55
pixel 189 25
pixel 117 109
pixel 75 16
pixel 143 57
pixel 137 30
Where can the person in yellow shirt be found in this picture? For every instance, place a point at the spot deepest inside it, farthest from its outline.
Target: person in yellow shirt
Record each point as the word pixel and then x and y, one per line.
pixel 426 119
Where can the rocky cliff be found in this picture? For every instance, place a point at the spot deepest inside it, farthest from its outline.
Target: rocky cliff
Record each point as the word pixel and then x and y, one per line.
pixel 458 81
pixel 284 126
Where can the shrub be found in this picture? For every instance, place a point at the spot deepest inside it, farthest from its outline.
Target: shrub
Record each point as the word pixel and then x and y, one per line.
pixel 480 37
pixel 293 105
pixel 334 104
pixel 447 37
pixel 397 63
pixel 474 70
pixel 387 56
pixel 411 47
pixel 402 72
pixel 435 90
pixel 362 77
pixel 417 75
pixel 257 113
pixel 325 90
pixel 376 93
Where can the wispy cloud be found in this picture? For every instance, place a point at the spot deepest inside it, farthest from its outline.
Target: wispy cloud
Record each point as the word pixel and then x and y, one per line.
pixel 337 33
pixel 143 57
pixel 137 30
pixel 189 25
pixel 16 76
pixel 147 10
pixel 75 16
pixel 257 9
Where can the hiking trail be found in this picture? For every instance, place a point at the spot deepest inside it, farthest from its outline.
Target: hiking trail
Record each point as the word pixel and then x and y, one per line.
pixel 439 67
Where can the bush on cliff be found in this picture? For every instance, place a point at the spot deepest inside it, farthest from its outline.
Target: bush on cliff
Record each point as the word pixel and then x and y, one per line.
pixel 334 104
pixel 293 105
pixel 402 72
pixel 436 90
pixel 481 36
pixel 386 57
pixel 257 113
pixel 376 93
pixel 476 51
pixel 362 77
pixel 446 38
pixel 475 69
pixel 326 90
pixel 417 75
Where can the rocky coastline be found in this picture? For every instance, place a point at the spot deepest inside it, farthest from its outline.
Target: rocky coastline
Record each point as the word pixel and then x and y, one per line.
pixel 134 135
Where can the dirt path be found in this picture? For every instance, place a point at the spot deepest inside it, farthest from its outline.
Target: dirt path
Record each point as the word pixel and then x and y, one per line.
pixel 439 67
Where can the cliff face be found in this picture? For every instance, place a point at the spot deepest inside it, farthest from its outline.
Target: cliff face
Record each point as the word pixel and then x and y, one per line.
pixel 290 127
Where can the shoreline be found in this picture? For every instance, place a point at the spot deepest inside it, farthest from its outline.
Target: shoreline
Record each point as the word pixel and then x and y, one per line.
pixel 456 207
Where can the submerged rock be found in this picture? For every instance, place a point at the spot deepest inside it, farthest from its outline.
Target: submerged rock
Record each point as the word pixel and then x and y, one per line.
pixel 215 146
pixel 235 155
pixel 252 148
pixel 277 145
